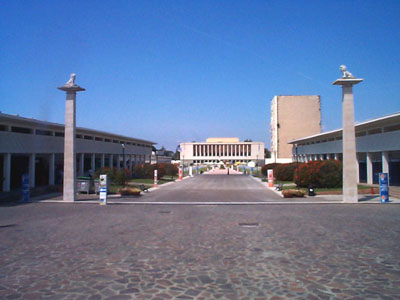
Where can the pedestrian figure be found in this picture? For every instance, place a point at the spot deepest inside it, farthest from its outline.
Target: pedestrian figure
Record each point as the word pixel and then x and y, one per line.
pixel 228 171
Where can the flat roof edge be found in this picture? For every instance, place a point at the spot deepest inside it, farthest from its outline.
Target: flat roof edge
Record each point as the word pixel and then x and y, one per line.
pixel 53 124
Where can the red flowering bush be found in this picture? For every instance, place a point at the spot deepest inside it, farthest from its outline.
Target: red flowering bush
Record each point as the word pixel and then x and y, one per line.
pixel 171 169
pixel 324 174
pixel 285 172
pixel 147 170
pixel 265 168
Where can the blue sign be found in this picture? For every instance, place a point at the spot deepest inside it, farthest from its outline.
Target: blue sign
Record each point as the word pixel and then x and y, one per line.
pixel 383 187
pixel 25 188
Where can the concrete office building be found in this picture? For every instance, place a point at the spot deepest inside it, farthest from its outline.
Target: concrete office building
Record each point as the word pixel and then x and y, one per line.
pixel 218 150
pixel 292 117
pixel 36 147
pixel 377 146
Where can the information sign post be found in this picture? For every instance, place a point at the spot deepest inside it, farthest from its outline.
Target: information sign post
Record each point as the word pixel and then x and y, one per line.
pixel 103 189
pixel 270 178
pixel 384 187
pixel 155 178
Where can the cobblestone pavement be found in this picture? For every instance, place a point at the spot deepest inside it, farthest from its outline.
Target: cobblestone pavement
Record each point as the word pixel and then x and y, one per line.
pixel 67 251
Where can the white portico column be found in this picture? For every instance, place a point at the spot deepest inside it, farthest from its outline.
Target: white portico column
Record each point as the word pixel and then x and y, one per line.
pixel 336 156
pixel 81 164
pixel 111 161
pixel 102 161
pixel 6 171
pixel 69 187
pixel 93 161
pixel 370 174
pixel 385 162
pixel 52 162
pixel 32 169
pixel 350 193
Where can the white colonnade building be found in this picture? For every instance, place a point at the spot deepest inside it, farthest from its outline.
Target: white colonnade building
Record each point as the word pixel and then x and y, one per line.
pixel 222 150
pixel 377 147
pixel 34 147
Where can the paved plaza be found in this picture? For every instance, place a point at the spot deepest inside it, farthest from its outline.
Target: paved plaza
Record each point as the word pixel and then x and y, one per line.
pixel 88 251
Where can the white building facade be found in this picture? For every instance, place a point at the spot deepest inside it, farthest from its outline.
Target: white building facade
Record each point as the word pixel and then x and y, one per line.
pixel 377 145
pixel 222 150
pixel 34 147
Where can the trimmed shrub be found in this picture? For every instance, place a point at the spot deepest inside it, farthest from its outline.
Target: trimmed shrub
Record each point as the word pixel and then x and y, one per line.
pixel 268 167
pixel 322 174
pixel 147 171
pixel 285 172
pixel 171 169
pixel 292 193
pixel 121 176
pixel 129 191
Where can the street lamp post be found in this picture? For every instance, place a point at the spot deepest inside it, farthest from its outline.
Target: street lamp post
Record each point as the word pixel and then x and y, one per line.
pixel 123 155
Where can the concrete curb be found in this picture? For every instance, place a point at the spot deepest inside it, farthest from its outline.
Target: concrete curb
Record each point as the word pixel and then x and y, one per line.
pixel 265 184
pixel 212 203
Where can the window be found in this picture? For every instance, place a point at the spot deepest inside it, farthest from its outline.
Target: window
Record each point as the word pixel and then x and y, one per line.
pixel 375 131
pixel 43 132
pixel 21 130
pixel 392 128
pixel 88 137
pixel 58 133
pixel 361 133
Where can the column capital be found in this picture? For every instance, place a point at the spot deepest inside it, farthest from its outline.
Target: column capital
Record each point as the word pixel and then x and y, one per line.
pixel 347 81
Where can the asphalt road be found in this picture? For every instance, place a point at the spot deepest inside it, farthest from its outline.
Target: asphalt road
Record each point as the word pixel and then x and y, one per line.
pixel 213 188
pixel 88 251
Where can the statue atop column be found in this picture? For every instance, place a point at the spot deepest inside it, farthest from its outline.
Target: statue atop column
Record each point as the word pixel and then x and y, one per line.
pixel 346 74
pixel 70 85
pixel 71 81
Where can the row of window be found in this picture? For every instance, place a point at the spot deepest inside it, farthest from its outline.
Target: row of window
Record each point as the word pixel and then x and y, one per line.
pixel 222 150
pixel 61 134
pixel 358 134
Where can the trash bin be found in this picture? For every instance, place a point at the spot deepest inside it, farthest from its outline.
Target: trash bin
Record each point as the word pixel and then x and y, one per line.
pixel 83 184
pixel 311 191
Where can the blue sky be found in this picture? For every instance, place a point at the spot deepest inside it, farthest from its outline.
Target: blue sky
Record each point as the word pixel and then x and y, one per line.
pixel 174 71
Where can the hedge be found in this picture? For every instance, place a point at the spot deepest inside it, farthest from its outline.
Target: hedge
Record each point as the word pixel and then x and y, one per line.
pixel 147 170
pixel 114 175
pixel 265 168
pixel 285 172
pixel 319 174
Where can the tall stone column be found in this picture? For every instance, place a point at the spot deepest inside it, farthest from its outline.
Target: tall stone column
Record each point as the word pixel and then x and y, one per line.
pixel 350 194
pixel 69 187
